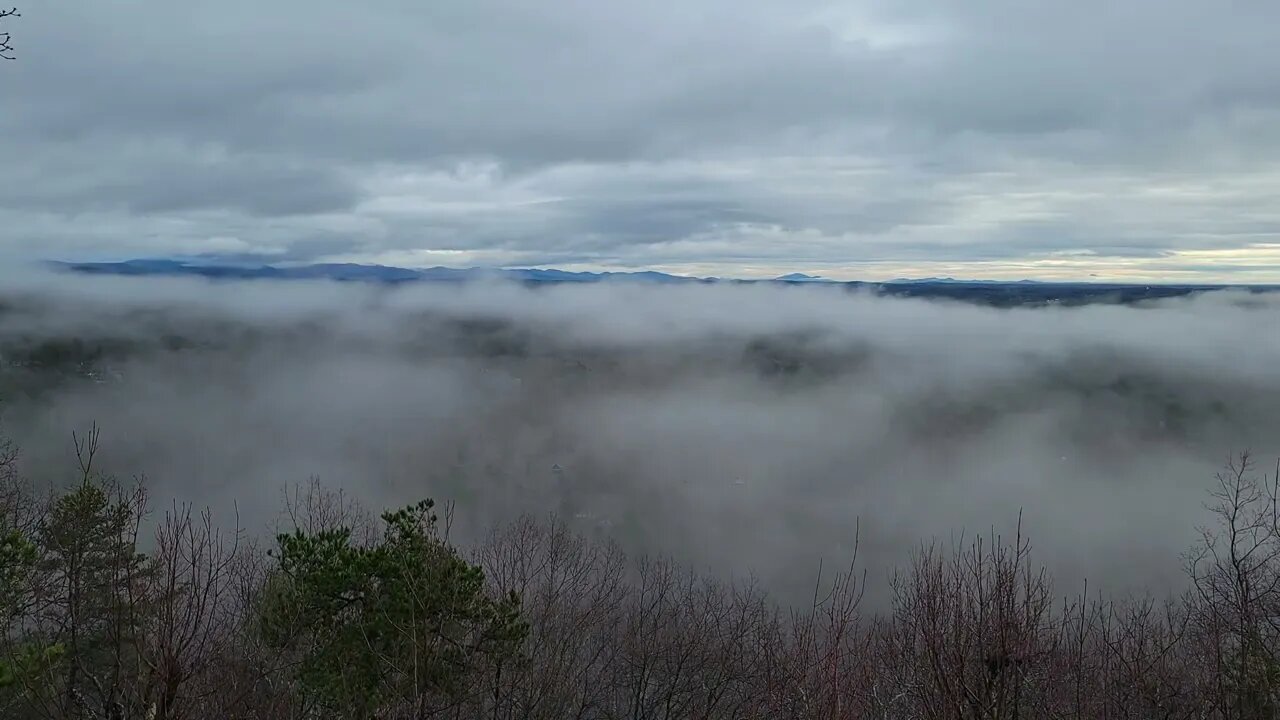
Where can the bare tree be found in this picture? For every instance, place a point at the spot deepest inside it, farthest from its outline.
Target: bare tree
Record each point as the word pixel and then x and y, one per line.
pixel 823 670
pixel 313 507
pixel 1235 575
pixel 972 634
pixel 189 617
pixel 573 593
pixel 1152 671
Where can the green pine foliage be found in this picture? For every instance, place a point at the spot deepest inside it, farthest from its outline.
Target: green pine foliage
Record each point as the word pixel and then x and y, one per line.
pixel 18 556
pixel 404 621
pixel 94 577
pixel 17 566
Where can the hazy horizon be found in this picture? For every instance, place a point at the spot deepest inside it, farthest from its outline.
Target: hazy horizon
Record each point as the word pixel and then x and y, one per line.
pixel 218 261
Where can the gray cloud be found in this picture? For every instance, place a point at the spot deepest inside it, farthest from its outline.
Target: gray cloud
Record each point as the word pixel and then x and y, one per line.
pixel 922 133
pixel 152 179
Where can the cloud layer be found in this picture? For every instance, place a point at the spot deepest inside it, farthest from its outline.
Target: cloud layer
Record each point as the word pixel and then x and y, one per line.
pixel 745 428
pixel 861 139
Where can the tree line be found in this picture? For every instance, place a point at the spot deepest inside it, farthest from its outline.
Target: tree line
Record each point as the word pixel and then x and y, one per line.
pixel 115 610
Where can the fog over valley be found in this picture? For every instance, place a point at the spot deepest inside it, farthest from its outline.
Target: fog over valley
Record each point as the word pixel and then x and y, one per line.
pixel 696 360
pixel 742 429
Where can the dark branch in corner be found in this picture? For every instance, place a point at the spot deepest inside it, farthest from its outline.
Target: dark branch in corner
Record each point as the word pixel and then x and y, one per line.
pixel 6 49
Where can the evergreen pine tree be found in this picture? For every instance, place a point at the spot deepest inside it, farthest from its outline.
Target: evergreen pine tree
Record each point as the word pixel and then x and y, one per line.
pixel 93 576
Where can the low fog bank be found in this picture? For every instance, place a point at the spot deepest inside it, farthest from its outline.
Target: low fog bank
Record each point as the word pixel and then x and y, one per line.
pixel 741 428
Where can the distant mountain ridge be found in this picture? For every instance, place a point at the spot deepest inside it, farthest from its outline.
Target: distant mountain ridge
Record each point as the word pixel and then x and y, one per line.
pixel 983 292
pixel 356 272
pixel 385 273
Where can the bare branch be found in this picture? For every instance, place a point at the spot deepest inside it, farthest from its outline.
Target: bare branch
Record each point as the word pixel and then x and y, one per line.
pixel 6 49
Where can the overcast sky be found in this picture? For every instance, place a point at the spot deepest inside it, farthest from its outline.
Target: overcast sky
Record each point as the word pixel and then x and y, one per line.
pixel 862 139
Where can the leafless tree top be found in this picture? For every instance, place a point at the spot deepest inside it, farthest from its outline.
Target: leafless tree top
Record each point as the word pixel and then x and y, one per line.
pixel 6 50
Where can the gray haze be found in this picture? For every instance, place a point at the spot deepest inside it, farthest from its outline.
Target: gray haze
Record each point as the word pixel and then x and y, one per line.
pixel 864 138
pixel 744 428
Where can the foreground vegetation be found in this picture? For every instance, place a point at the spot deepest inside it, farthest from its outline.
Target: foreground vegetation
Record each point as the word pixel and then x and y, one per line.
pixel 114 611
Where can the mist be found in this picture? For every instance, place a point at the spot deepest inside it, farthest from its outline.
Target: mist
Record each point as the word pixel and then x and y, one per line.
pixel 740 428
